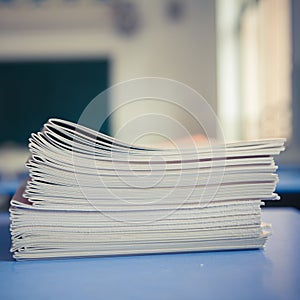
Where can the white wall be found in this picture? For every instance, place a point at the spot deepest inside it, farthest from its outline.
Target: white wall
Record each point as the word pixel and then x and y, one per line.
pixel 184 50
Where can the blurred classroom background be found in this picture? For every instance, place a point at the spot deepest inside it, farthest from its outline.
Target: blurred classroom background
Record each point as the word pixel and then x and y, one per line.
pixel 242 56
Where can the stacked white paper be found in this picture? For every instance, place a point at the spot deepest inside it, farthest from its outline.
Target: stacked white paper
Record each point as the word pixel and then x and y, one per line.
pixel 91 195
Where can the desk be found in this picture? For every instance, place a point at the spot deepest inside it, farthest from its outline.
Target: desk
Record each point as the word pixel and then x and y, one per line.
pixel 289 180
pixel 254 274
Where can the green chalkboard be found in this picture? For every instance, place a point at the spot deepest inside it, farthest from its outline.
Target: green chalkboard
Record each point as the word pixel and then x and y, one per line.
pixel 33 92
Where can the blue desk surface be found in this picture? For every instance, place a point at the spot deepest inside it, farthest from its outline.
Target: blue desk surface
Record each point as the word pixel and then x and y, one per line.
pixel 273 273
pixel 289 180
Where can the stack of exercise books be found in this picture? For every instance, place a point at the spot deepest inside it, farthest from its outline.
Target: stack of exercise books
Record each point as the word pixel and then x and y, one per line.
pixel 91 195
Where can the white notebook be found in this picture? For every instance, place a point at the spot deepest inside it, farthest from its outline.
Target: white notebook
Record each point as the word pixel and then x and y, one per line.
pixel 91 195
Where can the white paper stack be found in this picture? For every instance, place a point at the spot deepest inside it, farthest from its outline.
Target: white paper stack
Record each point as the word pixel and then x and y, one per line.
pixel 91 195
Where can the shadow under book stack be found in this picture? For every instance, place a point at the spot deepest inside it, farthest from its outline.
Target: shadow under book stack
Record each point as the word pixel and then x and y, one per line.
pixel 91 195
